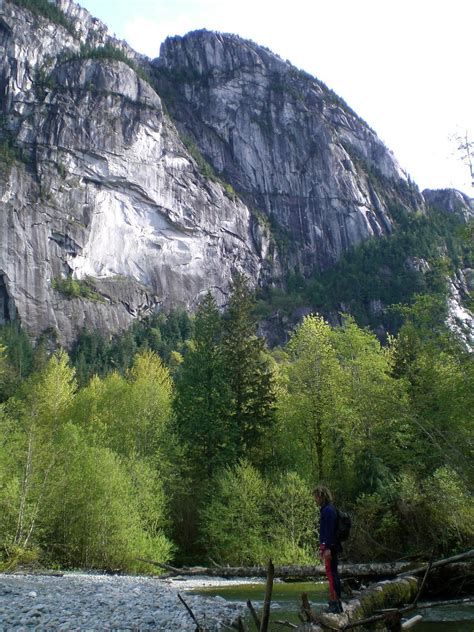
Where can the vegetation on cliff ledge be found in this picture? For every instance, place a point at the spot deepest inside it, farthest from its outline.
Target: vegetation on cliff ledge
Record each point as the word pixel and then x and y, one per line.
pixel 49 11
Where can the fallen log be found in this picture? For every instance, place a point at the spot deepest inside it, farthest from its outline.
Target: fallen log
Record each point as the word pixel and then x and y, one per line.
pixel 365 572
pixel 444 562
pixel 446 602
pixel 361 571
pixel 384 602
pixel 387 595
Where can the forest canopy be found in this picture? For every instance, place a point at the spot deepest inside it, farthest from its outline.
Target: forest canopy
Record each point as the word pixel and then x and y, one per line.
pixel 204 444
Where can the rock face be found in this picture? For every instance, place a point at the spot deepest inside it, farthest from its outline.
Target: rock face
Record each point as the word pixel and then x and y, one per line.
pixel 106 190
pixel 288 145
pixel 103 192
pixel 451 201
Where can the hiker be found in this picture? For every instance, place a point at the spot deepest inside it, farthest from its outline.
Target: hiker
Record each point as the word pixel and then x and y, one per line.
pixel 329 546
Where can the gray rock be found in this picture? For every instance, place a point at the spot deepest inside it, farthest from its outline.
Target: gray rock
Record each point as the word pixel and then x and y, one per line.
pixel 451 201
pixel 105 190
pixel 110 193
pixel 289 145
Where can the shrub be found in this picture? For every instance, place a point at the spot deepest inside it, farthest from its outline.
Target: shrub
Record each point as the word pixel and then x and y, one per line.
pixel 234 519
pixel 76 288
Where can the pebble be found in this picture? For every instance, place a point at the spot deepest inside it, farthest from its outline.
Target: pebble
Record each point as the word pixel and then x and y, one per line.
pixel 80 601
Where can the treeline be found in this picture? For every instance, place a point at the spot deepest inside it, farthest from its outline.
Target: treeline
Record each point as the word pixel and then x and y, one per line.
pixel 49 11
pixel 415 259
pixel 212 453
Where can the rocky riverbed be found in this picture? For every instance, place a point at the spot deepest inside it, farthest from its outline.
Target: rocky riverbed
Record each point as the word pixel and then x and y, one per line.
pixel 77 601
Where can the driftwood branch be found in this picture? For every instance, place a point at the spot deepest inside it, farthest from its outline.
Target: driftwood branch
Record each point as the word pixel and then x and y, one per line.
pixel 286 624
pixel 239 625
pixel 422 585
pixel 268 597
pixel 446 602
pixel 306 613
pixel 440 563
pixel 407 625
pixel 255 616
pixel 191 614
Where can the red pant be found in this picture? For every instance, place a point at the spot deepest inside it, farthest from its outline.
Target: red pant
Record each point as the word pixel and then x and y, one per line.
pixel 330 564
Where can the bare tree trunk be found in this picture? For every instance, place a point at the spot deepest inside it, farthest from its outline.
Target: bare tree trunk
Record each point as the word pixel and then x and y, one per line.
pixel 268 597
pixel 25 484
pixel 38 503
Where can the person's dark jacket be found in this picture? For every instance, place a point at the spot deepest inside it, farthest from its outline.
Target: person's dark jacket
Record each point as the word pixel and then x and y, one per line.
pixel 328 526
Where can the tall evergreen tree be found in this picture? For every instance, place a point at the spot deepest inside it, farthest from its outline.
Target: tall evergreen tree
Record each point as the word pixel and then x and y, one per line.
pixel 203 396
pixel 250 377
pixel 201 411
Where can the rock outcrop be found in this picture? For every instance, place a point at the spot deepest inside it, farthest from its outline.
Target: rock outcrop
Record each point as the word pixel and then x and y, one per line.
pixel 451 201
pixel 105 191
pixel 108 208
pixel 287 144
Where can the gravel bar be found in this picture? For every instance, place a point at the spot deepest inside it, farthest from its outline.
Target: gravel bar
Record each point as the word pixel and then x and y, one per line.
pixel 80 601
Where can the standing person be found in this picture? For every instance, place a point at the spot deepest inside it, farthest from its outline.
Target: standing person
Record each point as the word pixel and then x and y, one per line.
pixel 329 547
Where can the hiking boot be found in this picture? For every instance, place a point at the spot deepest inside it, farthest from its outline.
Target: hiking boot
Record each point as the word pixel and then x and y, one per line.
pixel 334 607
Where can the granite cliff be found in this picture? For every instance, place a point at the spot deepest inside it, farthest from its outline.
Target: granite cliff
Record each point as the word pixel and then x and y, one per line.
pixel 287 144
pixel 128 185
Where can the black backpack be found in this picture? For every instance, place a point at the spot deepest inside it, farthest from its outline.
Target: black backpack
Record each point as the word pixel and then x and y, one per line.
pixel 343 526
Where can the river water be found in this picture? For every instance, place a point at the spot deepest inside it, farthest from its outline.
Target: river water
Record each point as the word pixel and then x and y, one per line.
pixel 286 600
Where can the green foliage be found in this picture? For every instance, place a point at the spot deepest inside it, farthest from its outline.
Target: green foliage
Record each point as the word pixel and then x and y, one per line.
pixel 84 476
pixel 34 421
pixel 379 270
pixel 17 359
pixel 203 396
pixel 94 519
pixel 250 377
pixel 108 51
pixel 439 373
pixel 48 10
pixel 8 155
pixel 161 333
pixel 215 455
pixel 76 288
pixel 378 413
pixel 249 519
pixel 224 399
pixel 129 414
pixel 414 515
pixel 203 166
pixel 293 516
pixel 234 520
pixel 10 486
pixel 314 402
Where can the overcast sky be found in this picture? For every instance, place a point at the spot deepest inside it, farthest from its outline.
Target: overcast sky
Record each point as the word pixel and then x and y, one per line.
pixel 405 66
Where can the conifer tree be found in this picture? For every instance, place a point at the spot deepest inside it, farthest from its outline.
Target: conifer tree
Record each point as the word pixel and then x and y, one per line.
pixel 202 395
pixel 249 375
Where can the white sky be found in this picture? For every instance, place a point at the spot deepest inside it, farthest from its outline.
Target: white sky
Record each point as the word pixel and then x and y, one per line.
pixel 405 66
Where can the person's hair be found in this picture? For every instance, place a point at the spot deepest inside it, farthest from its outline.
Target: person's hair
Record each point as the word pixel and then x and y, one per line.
pixel 321 491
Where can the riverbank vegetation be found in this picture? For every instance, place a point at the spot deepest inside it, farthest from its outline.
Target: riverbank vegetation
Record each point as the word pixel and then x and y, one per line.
pixel 210 451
